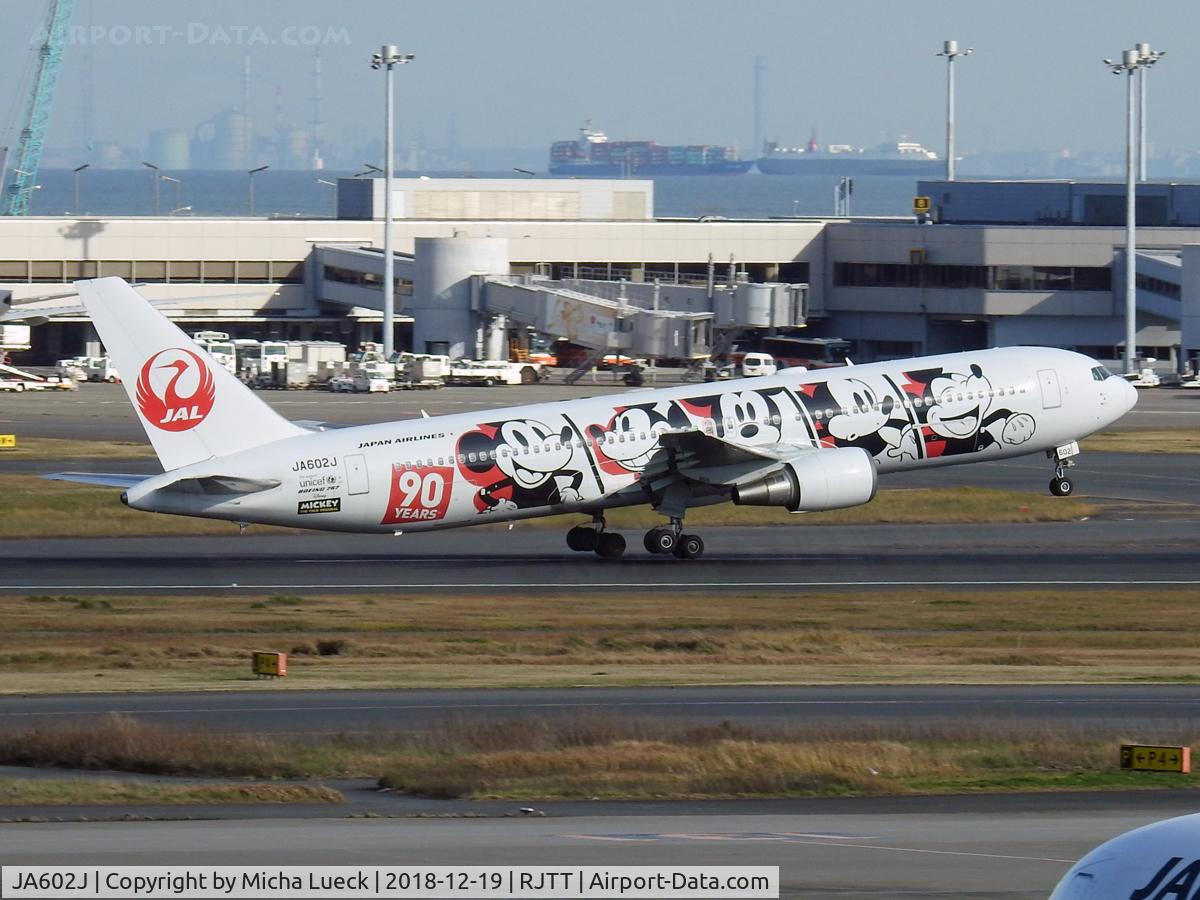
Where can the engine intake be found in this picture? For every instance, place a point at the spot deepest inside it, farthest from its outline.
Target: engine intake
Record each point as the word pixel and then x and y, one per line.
pixel 824 479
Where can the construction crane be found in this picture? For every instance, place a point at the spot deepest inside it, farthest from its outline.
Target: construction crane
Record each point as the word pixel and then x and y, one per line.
pixel 22 179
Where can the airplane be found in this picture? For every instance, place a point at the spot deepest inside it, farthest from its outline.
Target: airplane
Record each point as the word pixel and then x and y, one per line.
pixel 800 440
pixel 1155 862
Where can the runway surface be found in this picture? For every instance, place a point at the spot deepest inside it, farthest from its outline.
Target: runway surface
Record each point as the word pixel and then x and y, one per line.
pixel 340 712
pixel 851 851
pixel 1078 555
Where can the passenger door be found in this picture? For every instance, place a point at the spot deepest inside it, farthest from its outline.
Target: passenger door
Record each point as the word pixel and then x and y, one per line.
pixel 356 474
pixel 1051 392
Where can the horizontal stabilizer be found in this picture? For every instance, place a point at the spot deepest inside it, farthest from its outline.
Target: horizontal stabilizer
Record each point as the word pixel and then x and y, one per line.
pixel 100 478
pixel 221 484
pixel 318 425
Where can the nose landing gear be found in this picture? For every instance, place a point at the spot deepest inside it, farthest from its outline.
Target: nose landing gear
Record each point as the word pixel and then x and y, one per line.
pixel 1060 484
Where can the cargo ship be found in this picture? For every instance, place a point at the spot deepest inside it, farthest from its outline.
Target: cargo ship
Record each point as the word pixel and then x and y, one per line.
pixel 896 158
pixel 592 154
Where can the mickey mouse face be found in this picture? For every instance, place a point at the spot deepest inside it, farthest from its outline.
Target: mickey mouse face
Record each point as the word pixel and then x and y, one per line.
pixel 860 410
pixel 529 452
pixel 629 448
pixel 959 403
pixel 748 416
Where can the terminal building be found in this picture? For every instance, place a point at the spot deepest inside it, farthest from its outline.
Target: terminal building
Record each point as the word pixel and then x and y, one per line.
pixel 479 261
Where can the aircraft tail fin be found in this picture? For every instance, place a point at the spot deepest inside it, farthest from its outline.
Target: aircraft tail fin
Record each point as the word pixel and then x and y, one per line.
pixel 191 408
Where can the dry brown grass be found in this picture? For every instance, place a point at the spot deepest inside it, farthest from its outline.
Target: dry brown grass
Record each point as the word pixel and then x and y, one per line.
pixel 70 448
pixel 656 760
pixel 1141 441
pixel 118 743
pixel 95 792
pixel 609 757
pixel 37 508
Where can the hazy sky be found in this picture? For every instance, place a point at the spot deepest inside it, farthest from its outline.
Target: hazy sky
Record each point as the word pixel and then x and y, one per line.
pixel 526 72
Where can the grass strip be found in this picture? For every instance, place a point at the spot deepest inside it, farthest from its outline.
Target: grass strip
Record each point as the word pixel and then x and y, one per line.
pixel 96 792
pixel 36 508
pixel 609 757
pixel 75 448
pixel 1163 441
pixel 548 638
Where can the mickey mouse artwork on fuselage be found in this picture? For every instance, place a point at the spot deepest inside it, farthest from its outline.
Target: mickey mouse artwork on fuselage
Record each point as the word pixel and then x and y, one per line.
pixel 520 464
pixel 630 439
pixel 964 413
pixel 931 413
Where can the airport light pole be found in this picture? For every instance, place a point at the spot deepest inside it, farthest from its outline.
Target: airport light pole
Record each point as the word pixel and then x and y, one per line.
pixel 388 57
pixel 1130 62
pixel 332 184
pixel 31 188
pixel 951 52
pixel 1147 58
pixel 157 195
pixel 77 170
pixel 178 186
pixel 252 173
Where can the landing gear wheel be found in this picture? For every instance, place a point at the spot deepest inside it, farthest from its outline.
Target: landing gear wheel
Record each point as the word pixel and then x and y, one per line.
pixel 1061 487
pixel 689 546
pixel 583 538
pixel 610 545
pixel 661 540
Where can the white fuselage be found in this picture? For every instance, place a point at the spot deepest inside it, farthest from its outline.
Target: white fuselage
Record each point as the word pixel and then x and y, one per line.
pixel 588 455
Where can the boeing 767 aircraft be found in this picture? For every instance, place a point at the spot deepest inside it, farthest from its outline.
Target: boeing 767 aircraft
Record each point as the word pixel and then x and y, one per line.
pixel 801 440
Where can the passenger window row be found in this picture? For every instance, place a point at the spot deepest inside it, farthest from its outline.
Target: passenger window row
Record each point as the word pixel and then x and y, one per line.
pixel 621 436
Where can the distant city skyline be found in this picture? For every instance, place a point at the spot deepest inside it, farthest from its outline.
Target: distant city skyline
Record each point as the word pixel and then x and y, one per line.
pixel 523 73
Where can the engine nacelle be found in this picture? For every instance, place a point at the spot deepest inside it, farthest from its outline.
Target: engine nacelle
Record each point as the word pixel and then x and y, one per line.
pixel 823 479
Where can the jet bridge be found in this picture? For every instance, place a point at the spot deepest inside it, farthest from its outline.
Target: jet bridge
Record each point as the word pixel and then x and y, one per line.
pixel 463 298
pixel 598 323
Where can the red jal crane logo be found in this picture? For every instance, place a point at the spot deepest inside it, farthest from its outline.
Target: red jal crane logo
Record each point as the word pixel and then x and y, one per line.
pixel 180 400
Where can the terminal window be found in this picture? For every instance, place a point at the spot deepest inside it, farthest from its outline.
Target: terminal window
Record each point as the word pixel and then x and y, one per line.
pixel 988 278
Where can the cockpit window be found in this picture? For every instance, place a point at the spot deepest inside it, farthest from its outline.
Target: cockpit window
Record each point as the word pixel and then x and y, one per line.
pixel 1100 373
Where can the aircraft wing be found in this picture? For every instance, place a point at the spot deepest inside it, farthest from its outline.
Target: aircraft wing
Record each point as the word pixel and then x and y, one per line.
pixel 712 460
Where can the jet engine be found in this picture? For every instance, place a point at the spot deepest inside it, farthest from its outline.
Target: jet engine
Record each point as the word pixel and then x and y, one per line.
pixel 823 479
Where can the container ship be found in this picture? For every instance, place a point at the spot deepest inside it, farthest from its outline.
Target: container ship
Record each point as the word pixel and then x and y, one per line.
pixel 897 158
pixel 593 154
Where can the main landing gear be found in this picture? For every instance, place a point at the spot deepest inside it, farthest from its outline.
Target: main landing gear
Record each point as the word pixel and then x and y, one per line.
pixel 670 539
pixel 593 538
pixel 666 539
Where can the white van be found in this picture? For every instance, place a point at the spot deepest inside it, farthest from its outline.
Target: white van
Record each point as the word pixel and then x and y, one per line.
pixel 758 364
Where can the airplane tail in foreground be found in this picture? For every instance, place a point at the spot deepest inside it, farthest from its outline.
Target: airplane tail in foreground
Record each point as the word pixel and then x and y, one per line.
pixel 191 407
